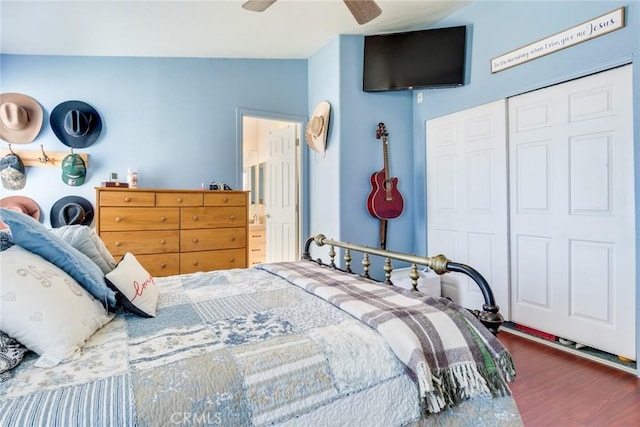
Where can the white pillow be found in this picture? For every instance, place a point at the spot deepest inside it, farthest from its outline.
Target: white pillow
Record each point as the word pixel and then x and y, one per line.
pixel 86 240
pixel 136 290
pixel 44 308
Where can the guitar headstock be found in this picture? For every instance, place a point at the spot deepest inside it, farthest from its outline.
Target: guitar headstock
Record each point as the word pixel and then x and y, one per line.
pixel 381 132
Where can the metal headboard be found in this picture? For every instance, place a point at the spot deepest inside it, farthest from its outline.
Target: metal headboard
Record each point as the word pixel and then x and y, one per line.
pixel 490 315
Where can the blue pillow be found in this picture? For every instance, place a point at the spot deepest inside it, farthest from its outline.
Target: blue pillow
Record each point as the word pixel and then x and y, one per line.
pixel 35 237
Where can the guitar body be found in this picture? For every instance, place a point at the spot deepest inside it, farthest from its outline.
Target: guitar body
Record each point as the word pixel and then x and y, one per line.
pixel 384 201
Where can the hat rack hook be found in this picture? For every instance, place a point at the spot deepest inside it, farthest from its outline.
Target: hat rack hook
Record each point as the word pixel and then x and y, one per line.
pixel 44 158
pixel 41 157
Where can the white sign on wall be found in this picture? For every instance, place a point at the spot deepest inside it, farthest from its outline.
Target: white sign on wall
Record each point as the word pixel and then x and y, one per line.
pixel 596 27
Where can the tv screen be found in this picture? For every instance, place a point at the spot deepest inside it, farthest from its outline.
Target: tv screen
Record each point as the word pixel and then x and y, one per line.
pixel 416 59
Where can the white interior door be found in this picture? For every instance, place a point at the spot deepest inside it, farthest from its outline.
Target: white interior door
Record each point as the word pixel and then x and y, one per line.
pixel 572 210
pixel 467 200
pixel 281 199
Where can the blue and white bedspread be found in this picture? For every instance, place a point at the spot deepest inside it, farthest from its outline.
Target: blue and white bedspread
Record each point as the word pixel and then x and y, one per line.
pixel 233 348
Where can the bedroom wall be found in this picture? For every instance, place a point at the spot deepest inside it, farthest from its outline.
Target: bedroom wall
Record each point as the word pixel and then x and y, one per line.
pixel 339 180
pixel 171 119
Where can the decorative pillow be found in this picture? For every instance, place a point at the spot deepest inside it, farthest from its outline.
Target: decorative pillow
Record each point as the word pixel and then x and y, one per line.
pixel 11 354
pixel 136 290
pixel 6 241
pixel 44 308
pixel 86 240
pixel 35 237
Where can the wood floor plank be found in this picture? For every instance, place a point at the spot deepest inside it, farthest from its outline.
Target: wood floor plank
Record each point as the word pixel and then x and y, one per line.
pixel 554 388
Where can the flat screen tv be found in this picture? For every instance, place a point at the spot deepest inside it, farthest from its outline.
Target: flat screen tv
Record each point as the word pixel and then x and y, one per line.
pixel 416 59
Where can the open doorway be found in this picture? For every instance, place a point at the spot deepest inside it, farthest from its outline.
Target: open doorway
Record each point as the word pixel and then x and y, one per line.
pixel 271 172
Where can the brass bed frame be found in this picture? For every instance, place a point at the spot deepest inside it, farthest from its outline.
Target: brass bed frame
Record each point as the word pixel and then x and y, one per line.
pixel 489 316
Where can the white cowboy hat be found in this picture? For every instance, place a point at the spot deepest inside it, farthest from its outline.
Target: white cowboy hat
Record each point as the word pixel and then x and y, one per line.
pixel 318 126
pixel 20 118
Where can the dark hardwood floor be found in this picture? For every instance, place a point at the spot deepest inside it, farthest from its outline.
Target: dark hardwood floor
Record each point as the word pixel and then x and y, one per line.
pixel 553 388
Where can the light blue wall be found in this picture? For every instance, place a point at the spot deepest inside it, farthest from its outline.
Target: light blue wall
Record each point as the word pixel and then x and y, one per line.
pixel 339 180
pixel 172 120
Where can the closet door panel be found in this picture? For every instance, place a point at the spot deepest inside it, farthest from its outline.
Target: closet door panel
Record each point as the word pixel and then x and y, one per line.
pixel 572 187
pixel 467 199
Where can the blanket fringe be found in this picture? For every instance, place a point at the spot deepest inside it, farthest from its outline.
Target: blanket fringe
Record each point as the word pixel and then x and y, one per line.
pixel 447 387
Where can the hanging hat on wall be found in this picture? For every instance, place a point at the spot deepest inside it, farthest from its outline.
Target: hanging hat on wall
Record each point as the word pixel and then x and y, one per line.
pixel 76 123
pixel 21 204
pixel 71 210
pixel 12 172
pixel 74 170
pixel 318 126
pixel 20 118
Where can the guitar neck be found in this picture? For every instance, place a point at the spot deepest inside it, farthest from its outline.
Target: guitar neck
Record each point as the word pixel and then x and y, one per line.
pixel 385 154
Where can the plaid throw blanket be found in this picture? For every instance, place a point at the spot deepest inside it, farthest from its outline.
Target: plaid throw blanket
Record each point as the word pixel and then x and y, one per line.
pixel 453 356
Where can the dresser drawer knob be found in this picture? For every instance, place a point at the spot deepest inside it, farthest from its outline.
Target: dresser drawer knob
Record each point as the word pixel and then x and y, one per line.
pixel 232 238
pixel 232 217
pixel 127 199
pixel 232 259
pixel 195 217
pixel 194 240
pixel 194 263
pixel 179 199
pixel 225 200
pixel 163 219
pixel 163 242
pixel 118 244
pixel 118 219
pixel 163 265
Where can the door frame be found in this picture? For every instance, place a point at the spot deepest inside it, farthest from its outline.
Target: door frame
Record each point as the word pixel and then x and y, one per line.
pixel 301 161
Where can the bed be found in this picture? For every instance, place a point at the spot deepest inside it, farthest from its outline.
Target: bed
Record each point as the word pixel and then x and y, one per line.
pixel 297 343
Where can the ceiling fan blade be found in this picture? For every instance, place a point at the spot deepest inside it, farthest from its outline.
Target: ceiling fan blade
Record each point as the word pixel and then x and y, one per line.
pixel 257 5
pixel 363 10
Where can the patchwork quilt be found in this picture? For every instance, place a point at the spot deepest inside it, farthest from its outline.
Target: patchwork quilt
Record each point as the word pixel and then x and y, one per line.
pixel 238 347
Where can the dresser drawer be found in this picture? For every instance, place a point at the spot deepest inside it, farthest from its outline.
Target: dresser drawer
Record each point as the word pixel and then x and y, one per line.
pixel 159 265
pixel 128 219
pixel 212 238
pixel 178 199
pixel 221 198
pixel 231 216
pixel 191 262
pixel 127 198
pixel 141 242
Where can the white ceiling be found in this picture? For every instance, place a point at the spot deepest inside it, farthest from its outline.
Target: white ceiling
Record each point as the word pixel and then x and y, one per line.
pixel 206 29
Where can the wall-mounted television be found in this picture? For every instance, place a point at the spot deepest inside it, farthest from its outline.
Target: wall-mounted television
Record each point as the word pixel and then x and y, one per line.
pixel 416 59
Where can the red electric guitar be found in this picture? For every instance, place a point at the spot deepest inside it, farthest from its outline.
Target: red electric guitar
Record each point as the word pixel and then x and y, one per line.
pixel 385 201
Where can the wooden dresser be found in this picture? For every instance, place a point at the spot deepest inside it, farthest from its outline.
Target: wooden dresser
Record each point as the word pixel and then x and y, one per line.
pixel 175 231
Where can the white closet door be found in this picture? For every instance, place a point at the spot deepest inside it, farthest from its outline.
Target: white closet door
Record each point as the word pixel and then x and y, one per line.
pixel 467 200
pixel 572 210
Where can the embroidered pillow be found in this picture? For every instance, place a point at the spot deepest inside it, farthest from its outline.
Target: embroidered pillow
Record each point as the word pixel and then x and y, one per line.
pixel 44 308
pixel 136 290
pixel 86 240
pixel 35 237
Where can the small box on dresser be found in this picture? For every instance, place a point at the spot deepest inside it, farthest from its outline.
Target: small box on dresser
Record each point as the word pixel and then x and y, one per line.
pixel 175 231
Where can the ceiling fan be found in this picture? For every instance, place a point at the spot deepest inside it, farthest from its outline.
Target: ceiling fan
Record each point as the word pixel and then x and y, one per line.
pixel 362 10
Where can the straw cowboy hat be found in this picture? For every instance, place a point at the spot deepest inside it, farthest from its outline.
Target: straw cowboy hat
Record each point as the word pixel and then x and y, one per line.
pixel 71 210
pixel 22 204
pixel 76 123
pixel 20 118
pixel 318 126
